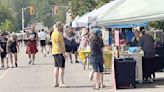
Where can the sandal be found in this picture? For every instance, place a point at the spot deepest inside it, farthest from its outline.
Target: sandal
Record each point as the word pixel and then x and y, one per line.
pixel 63 86
pixel 55 85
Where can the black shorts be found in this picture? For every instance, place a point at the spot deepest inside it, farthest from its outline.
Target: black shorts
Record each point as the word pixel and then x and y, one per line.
pixel 3 55
pixel 59 60
pixel 42 42
pixel 12 50
pixel 68 49
pixel 74 49
pixel 71 49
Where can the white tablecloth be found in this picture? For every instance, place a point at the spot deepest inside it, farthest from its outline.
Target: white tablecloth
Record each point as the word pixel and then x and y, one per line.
pixel 138 58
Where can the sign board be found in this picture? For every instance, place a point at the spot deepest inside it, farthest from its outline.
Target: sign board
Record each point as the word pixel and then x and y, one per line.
pixel 116 38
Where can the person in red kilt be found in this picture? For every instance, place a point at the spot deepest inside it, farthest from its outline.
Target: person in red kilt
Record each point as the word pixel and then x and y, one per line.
pixel 31 49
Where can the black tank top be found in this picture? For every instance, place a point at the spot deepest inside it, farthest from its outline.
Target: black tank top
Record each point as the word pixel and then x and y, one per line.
pixel 3 43
pixel 12 44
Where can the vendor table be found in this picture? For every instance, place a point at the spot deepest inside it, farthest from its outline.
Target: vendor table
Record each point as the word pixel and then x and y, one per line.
pixel 84 55
pixel 138 58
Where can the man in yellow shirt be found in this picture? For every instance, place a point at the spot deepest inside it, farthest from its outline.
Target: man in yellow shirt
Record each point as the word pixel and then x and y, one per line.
pixel 58 51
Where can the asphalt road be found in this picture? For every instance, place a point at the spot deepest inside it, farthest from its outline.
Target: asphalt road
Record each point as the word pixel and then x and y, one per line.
pixel 39 78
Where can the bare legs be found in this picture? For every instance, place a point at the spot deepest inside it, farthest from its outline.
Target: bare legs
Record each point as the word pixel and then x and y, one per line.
pixel 49 48
pixel 11 60
pixel 15 57
pixel 61 74
pixel 99 79
pixel 43 50
pixel 69 57
pixel 76 55
pixel 33 58
pixel 2 62
pixel 29 55
pixel 97 74
pixel 58 73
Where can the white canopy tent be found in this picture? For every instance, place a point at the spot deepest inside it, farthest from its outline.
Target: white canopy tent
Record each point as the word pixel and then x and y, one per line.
pixel 133 11
pixel 83 20
pixel 90 18
pixel 73 22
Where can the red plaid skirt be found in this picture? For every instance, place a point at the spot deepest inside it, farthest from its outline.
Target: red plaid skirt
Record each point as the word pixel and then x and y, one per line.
pixel 31 47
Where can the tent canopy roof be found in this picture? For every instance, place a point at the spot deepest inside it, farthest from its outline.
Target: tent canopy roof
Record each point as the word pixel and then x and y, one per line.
pixel 90 17
pixel 133 11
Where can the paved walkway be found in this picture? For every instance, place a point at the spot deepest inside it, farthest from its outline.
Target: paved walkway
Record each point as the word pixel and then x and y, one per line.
pixel 39 78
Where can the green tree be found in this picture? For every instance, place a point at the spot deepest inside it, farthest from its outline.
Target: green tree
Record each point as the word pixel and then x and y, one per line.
pixel 99 3
pixel 157 24
pixel 7 19
pixel 49 20
pixel 7 26
pixel 42 10
pixel 79 7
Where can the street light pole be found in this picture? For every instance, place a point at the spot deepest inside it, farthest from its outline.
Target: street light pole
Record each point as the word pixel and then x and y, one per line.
pixel 23 9
pixel 22 19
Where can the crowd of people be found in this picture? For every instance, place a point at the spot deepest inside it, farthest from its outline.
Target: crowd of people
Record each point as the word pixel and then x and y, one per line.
pixel 9 48
pixel 64 42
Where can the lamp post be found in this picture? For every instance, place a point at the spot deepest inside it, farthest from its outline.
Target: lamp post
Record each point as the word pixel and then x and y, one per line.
pixel 23 9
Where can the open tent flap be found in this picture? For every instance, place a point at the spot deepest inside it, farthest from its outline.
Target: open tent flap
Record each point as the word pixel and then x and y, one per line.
pixel 133 11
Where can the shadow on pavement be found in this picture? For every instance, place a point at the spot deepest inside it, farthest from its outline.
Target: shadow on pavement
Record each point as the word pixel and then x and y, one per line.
pixel 89 86
pixel 158 82
pixel 45 64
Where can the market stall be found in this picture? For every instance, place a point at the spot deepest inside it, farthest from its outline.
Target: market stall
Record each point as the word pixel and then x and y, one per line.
pixel 125 13
pixel 84 56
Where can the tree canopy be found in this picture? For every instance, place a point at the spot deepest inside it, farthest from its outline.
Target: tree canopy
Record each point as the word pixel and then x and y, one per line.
pixel 7 19
pixel 79 7
pixel 43 11
pixel 10 12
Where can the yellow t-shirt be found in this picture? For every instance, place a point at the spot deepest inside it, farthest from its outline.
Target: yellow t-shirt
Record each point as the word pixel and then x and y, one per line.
pixel 57 38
